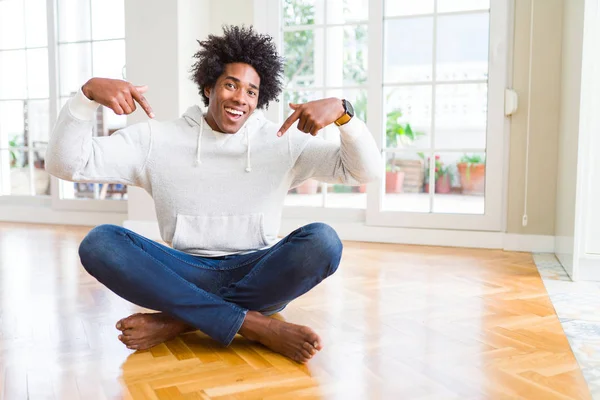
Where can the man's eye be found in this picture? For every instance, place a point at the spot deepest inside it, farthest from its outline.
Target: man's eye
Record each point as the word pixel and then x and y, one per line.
pixel 252 93
pixel 229 85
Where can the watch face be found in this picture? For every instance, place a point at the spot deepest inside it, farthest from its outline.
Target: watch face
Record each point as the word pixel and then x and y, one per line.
pixel 349 108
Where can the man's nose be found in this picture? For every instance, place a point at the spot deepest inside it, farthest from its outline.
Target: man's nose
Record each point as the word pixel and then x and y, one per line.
pixel 239 97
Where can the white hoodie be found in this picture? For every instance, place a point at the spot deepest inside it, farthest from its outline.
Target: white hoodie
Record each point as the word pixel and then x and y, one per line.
pixel 215 194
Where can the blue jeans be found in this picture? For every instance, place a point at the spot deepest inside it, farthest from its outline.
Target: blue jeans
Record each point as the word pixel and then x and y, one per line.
pixel 210 294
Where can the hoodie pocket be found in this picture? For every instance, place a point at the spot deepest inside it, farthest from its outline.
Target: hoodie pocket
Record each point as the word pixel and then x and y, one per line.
pixel 229 233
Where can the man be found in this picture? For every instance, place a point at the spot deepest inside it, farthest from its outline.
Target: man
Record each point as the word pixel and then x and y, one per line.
pixel 218 180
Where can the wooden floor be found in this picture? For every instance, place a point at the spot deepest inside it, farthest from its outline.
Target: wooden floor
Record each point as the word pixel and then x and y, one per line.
pixel 398 322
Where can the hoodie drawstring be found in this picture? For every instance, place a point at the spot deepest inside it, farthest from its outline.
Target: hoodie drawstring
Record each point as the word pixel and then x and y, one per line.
pixel 198 145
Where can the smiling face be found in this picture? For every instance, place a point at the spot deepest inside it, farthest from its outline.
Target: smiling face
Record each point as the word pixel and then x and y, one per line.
pixel 233 98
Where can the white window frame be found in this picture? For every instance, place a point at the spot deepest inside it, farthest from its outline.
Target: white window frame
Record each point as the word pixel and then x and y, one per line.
pixel 54 201
pixel 268 19
pixel 37 200
pixel 59 203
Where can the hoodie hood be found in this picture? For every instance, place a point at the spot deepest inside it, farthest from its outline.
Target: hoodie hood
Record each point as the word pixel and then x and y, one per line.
pixel 194 116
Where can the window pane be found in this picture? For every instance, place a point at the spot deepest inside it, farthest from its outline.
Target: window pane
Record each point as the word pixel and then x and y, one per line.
pixel 13 74
pixel 459 183
pixel 347 11
pixel 75 66
pixel 462 5
pixel 108 19
pixel 302 12
pixel 343 196
pixel 38 122
pixel 12 32
pixel 37 73
pixel 41 177
pixel 303 51
pixel 408 116
pixel 35 13
pixel 347 56
pixel 461 116
pixel 73 20
pixel 395 8
pixel 462 47
pixel 307 194
pixel 77 190
pixel 408 50
pixel 298 97
pixel 109 59
pixel 14 166
pixel 11 124
pixel 405 183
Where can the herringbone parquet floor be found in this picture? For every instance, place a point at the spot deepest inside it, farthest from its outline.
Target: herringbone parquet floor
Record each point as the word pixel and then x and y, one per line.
pixel 398 322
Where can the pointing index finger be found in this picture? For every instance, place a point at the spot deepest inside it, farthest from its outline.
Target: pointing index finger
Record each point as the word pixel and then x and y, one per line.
pixel 288 122
pixel 142 101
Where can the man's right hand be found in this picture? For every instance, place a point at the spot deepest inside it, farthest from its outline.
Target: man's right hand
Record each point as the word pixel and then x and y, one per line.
pixel 118 95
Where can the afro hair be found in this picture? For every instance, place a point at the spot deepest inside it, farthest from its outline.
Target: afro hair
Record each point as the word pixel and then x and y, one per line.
pixel 239 45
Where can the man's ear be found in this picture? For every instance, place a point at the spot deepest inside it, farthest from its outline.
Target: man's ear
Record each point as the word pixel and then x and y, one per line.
pixel 207 91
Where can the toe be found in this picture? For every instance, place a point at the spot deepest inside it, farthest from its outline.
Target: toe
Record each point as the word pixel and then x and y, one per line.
pixel 306 354
pixel 316 343
pixel 299 357
pixel 128 322
pixel 310 348
pixel 311 337
pixel 125 340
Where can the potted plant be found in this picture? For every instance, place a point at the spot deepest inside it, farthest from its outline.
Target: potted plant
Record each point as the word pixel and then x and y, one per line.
pixel 310 186
pixel 471 169
pixel 443 179
pixel 398 135
pixel 394 179
pixel 442 174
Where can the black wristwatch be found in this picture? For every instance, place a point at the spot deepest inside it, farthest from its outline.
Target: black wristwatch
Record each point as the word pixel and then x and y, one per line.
pixel 348 113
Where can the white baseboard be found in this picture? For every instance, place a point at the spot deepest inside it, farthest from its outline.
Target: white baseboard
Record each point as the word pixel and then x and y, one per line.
pixel 46 215
pixel 430 237
pixel 530 243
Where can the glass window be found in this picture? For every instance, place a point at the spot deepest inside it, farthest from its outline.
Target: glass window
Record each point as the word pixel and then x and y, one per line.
pixel 92 43
pixel 329 60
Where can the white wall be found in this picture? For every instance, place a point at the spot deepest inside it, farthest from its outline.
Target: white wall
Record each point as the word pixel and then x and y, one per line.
pixel 587 219
pixel 233 12
pixel 161 40
pixel 572 46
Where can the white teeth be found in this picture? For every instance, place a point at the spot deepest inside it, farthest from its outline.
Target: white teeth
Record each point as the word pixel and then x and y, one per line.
pixel 231 110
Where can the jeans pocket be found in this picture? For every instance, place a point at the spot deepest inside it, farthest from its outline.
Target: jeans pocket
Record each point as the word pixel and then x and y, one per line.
pixel 225 233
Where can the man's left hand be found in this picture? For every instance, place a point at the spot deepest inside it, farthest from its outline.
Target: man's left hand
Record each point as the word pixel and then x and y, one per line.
pixel 314 115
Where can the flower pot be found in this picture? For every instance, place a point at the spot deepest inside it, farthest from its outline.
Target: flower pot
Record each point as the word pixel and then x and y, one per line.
pixel 308 187
pixel 442 184
pixel 394 181
pixel 472 178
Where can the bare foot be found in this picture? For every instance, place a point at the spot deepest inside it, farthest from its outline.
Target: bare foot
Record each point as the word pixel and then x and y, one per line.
pixel 142 331
pixel 297 342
